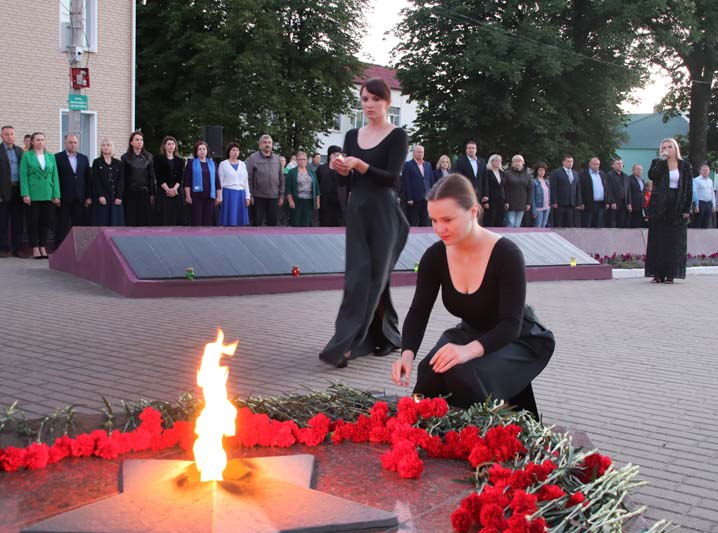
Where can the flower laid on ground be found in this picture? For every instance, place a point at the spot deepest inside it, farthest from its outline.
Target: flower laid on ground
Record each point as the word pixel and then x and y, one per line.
pixel 526 478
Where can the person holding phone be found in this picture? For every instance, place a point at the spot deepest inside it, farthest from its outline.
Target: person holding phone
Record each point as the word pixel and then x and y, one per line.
pixel 668 213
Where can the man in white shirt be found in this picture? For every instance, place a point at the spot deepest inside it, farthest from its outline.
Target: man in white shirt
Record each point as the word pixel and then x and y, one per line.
pixel 704 200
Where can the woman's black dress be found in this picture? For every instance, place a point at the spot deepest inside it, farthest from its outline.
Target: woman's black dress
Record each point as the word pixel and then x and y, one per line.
pixel 495 316
pixel 169 171
pixel 494 216
pixel 376 234
pixel 107 182
pixel 667 229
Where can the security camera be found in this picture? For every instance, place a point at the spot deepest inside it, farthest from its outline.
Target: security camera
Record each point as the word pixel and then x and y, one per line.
pixel 76 54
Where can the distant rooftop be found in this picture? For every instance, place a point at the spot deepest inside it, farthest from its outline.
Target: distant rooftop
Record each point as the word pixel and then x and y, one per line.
pixel 377 71
pixel 646 130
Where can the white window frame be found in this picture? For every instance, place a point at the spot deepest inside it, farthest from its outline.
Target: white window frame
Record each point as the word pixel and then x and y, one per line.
pixel 337 121
pixel 91 15
pixel 92 152
pixel 391 116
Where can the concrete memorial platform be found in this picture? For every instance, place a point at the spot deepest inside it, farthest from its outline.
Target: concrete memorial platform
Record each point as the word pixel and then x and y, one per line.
pixel 154 262
pixel 258 495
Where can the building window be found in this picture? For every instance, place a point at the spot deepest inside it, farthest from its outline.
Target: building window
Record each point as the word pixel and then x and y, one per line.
pixel 395 116
pixel 89 23
pixel 337 123
pixel 87 133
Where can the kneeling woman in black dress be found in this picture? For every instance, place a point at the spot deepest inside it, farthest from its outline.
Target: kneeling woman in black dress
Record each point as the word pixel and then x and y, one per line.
pixel 496 351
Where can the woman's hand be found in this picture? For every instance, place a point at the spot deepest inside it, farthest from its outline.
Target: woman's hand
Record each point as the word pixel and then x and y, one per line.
pixel 171 193
pixel 55 201
pixel 188 200
pixel 402 367
pixel 102 200
pixel 27 200
pixel 686 216
pixel 247 202
pixel 118 201
pixel 450 355
pixel 346 164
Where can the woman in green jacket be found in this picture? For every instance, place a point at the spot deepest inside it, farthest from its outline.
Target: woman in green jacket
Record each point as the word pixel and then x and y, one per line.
pixel 40 189
pixel 302 188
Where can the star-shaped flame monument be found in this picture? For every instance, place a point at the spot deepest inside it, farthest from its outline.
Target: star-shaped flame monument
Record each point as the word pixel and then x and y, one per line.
pixel 267 495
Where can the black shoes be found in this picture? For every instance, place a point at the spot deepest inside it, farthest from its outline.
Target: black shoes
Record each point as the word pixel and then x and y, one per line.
pixel 385 350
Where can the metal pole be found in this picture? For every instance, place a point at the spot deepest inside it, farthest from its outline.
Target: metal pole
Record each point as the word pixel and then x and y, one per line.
pixel 77 21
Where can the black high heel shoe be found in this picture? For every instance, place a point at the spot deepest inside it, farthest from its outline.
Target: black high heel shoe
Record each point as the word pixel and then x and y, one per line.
pixel 385 350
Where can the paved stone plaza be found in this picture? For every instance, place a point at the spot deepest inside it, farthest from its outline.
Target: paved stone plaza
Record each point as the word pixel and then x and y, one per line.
pixel 636 365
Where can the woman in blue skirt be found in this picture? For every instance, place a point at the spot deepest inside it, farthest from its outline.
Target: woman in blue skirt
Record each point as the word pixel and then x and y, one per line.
pixel 235 189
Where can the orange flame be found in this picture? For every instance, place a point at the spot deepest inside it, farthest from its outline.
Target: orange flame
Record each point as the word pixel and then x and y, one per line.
pixel 218 416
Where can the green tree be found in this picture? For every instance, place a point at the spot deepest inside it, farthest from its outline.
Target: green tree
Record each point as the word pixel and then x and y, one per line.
pixel 685 33
pixel 536 78
pixel 283 67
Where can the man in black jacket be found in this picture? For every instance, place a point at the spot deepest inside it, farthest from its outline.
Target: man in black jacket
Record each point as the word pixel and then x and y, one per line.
pixel 565 194
pixel 11 206
pixel 73 169
pixel 618 181
pixel 596 194
pixel 634 198
pixel 473 167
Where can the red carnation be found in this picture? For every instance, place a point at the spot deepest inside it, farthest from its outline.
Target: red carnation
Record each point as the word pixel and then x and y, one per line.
pixel 283 436
pixel 550 492
pixel 170 437
pixel 492 515
pixel 594 466
pixel 517 524
pixel 498 473
pixel 320 423
pixel 425 408
pixel 246 431
pixel 537 525
pixel 379 412
pixel 83 446
pixel 13 459
pixel 519 480
pixel 107 448
pixel 379 434
pixel 38 455
pixel 472 503
pixel 489 530
pixel 480 455
pixel 461 520
pixel 263 426
pixel 523 503
pixel 407 411
pixel 410 466
pixel 503 442
pixel 123 440
pixel 469 437
pixel 575 499
pixel 185 434
pixel 433 446
pixel 151 420
pixel 440 407
pixel 61 448
pixel 493 495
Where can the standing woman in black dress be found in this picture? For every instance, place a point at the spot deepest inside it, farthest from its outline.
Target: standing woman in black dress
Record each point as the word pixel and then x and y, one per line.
pixel 376 232
pixel 169 168
pixel 107 188
pixel 499 347
pixel 668 214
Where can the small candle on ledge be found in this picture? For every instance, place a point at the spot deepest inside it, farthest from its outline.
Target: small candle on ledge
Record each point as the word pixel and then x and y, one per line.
pixel 417 397
pixel 573 262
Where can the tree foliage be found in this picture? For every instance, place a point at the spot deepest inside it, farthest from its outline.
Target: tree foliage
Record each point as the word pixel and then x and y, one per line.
pixel 283 67
pixel 535 78
pixel 685 33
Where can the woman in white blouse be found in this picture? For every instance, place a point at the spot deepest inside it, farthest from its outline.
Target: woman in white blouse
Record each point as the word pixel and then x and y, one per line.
pixel 236 196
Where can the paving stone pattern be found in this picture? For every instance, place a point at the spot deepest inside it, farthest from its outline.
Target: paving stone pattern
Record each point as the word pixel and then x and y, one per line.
pixel 636 365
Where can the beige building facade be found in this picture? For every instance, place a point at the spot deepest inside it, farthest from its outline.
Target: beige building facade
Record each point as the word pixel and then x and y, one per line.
pixel 35 70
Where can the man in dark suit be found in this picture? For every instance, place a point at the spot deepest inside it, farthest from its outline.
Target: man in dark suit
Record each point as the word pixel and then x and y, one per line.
pixel 417 178
pixel 11 206
pixel 618 181
pixel 634 198
pixel 473 167
pixel 565 194
pixel 73 169
pixel 595 193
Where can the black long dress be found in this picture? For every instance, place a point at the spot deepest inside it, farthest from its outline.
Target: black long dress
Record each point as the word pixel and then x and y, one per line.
pixel 667 244
pixel 169 171
pixel 107 182
pixel 493 315
pixel 376 234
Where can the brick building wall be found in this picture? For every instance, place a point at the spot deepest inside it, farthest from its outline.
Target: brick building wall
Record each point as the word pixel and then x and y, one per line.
pixel 35 72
